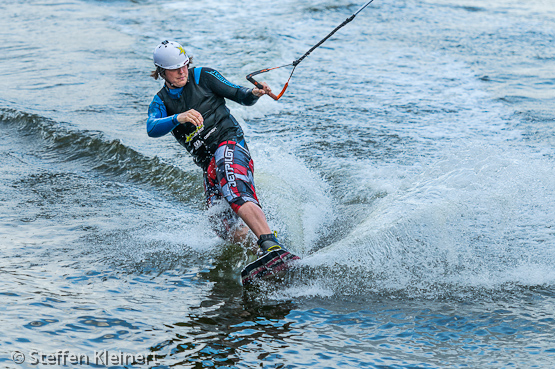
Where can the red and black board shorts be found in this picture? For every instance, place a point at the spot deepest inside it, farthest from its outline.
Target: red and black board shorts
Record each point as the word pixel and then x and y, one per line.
pixel 230 175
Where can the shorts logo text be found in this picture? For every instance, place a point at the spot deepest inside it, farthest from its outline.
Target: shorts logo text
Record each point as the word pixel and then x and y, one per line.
pixel 228 161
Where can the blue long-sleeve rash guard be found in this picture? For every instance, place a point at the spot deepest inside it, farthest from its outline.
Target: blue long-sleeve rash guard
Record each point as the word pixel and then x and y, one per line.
pixel 159 124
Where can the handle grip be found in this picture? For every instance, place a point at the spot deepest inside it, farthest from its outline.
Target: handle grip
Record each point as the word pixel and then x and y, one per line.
pixel 258 84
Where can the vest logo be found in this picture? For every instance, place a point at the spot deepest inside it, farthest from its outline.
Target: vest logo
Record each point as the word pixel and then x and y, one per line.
pixel 228 161
pixel 192 135
pixel 210 132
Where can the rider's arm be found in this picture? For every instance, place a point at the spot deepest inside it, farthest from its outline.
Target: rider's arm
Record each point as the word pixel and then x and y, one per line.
pixel 222 87
pixel 158 123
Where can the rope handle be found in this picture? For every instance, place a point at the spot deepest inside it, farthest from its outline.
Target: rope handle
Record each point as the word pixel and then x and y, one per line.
pixel 259 85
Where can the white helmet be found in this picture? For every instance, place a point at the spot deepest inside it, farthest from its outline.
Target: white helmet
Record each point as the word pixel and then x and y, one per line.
pixel 170 55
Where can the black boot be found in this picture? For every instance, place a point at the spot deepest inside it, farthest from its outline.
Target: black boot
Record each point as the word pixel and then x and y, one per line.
pixel 267 243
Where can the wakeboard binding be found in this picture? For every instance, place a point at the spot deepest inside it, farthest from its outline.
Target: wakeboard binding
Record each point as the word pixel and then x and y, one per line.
pixel 273 260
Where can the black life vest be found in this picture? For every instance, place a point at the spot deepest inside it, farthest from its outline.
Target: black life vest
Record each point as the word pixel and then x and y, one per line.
pixel 219 125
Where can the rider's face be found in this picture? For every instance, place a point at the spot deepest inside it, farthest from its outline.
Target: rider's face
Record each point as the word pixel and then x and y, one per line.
pixel 177 77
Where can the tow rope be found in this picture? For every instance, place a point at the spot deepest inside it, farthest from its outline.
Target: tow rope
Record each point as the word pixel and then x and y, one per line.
pixel 296 62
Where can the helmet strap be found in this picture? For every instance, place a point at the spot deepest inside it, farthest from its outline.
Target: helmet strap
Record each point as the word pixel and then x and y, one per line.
pixel 162 73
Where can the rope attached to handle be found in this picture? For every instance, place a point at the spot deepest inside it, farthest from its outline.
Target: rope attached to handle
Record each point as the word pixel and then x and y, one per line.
pixel 296 62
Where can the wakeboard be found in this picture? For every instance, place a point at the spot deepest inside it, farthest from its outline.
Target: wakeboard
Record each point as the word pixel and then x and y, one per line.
pixel 273 264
